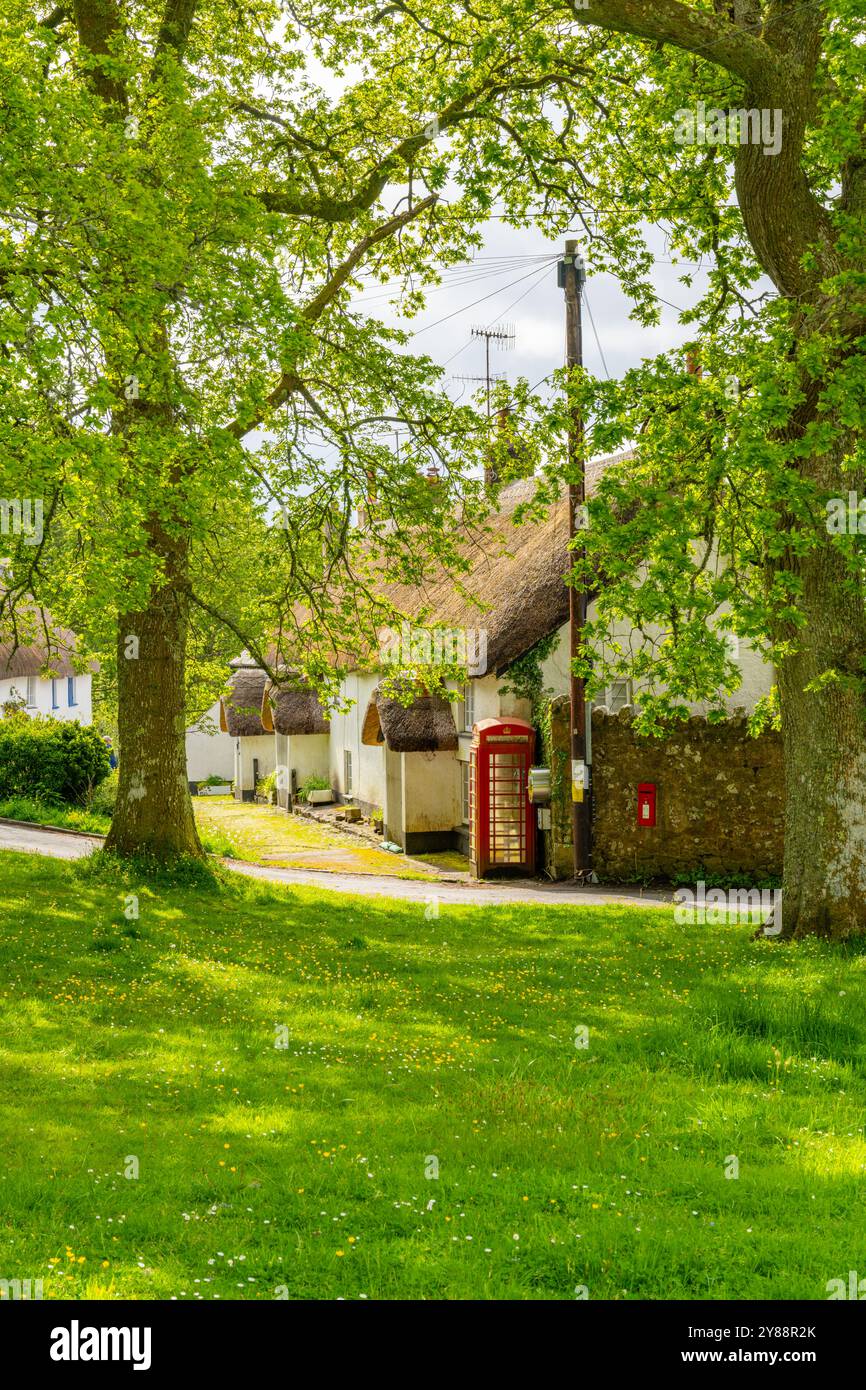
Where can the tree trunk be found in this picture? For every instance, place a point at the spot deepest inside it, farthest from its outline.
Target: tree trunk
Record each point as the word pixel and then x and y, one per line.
pixel 153 814
pixel 824 738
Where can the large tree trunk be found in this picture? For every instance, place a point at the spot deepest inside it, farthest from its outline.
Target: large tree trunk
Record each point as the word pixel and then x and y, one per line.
pixel 824 735
pixel 154 812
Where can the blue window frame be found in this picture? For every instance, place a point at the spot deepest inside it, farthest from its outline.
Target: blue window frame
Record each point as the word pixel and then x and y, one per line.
pixel 55 703
pixel 70 691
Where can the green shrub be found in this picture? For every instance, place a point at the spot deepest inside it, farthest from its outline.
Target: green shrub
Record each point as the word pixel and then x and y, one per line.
pixel 103 796
pixel 50 759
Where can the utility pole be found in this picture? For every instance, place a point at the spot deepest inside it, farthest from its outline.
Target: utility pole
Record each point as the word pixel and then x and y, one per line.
pixel 572 277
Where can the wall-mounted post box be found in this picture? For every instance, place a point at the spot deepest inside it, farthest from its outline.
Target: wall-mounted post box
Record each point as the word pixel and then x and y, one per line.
pixel 646 803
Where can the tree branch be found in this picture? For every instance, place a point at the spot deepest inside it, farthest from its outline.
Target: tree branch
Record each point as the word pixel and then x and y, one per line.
pixel 290 381
pixel 336 210
pixel 58 15
pixel 707 35
pixel 176 26
pixel 98 22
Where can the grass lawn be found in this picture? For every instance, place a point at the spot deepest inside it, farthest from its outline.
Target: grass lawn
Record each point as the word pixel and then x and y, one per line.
pixel 448 859
pixel 412 1044
pixel 44 813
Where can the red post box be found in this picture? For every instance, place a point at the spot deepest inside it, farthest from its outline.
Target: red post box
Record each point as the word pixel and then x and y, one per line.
pixel 646 803
pixel 501 818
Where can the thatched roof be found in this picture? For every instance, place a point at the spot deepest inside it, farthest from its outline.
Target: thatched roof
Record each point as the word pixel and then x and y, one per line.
pixel 516 573
pixel 512 591
pixel 33 661
pixel 241 711
pixel 292 710
pixel 43 649
pixel 425 726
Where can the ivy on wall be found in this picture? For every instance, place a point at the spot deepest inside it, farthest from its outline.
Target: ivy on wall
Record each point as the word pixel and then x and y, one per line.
pixel 525 680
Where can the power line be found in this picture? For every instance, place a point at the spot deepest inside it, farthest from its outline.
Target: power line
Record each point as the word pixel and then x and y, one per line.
pixel 468 343
pixel 482 300
pixel 451 283
pixel 595 334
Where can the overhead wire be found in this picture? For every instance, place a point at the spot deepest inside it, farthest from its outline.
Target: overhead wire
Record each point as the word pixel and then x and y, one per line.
pixel 595 334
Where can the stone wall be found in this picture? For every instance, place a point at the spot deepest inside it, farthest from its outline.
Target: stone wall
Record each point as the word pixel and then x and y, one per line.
pixel 719 799
pixel 560 855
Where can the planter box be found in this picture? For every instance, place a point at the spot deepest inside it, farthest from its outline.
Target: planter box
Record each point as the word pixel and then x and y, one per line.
pixel 319 797
pixel 222 790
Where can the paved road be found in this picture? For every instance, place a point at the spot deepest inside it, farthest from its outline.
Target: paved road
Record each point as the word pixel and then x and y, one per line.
pixel 537 894
pixel 34 839
pixel 62 845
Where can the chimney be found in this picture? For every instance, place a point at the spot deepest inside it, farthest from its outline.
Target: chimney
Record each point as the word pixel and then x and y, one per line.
pixel 693 362
pixel 491 475
pixel 432 475
pixel 367 507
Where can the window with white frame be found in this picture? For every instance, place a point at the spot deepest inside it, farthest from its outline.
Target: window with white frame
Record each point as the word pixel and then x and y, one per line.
pixel 618 695
pixel 468 707
pixel 348 783
pixel 465 800
pixel 31 692
pixel 458 709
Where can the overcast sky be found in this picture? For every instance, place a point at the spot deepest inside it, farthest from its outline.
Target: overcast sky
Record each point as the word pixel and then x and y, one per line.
pixel 527 297
pixel 505 286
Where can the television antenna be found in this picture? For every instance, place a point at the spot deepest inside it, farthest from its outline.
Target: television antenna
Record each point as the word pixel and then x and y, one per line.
pixel 482 381
pixel 501 337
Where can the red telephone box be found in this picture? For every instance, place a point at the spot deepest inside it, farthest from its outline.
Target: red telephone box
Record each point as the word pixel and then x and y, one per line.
pixel 501 814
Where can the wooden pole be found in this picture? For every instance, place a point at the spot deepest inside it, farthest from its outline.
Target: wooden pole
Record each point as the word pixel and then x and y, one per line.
pixel 572 278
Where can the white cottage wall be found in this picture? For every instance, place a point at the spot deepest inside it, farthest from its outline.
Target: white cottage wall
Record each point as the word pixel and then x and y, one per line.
pixel 208 750
pixel 51 702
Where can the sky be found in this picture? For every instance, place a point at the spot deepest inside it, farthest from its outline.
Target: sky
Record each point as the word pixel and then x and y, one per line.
pixel 538 315
pixel 511 282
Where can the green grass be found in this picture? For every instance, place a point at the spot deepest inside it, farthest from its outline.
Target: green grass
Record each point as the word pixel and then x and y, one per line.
pixel 50 813
pixel 411 1040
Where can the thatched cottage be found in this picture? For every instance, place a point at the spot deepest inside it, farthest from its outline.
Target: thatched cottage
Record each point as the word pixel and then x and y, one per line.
pixel 42 674
pixel 411 762
pixel 241 718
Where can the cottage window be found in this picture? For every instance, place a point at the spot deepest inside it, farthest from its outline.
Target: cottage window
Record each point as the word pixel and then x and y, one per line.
pixel 468 706
pixel 348 784
pixel 618 695
pixel 31 692
pixel 55 698
pixel 465 799
pixel 71 699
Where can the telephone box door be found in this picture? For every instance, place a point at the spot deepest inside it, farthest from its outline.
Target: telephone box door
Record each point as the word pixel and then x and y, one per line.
pixel 503 824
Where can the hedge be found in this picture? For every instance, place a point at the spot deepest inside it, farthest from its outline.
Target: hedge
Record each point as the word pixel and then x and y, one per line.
pixel 50 759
